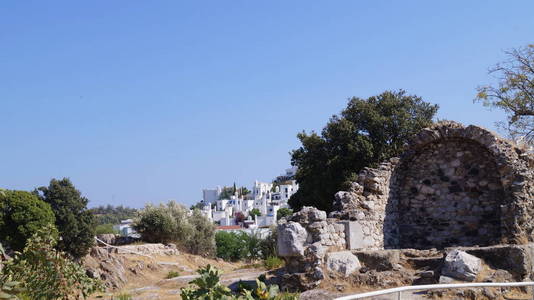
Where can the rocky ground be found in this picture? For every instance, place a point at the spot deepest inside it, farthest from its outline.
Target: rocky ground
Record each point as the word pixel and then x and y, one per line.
pixel 141 270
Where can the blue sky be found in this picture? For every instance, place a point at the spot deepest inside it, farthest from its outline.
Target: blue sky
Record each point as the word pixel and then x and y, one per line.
pixel 146 101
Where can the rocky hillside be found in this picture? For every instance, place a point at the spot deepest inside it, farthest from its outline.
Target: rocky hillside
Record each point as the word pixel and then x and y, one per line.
pixel 142 270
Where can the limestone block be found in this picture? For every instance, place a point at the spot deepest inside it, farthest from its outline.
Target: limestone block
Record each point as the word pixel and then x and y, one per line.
pixel 356 238
pixel 461 265
pixel 291 239
pixel 343 262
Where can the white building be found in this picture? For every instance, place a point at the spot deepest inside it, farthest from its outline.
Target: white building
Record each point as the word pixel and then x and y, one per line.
pixel 266 197
pixel 284 191
pixel 211 195
pixel 125 228
pixel 260 189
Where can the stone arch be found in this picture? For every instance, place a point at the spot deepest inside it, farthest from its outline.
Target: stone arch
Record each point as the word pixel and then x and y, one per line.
pixel 460 186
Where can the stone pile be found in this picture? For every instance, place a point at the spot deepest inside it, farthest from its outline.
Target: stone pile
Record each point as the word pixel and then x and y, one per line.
pixel 303 241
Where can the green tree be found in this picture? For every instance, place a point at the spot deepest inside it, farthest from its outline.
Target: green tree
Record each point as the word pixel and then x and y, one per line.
pixel 46 273
pixel 231 246
pixel 244 191
pixel 76 224
pixel 171 222
pixel 163 224
pixel 254 212
pixel 21 215
pixel 513 92
pixel 367 132
pixel 202 238
pixel 283 212
pixel 226 193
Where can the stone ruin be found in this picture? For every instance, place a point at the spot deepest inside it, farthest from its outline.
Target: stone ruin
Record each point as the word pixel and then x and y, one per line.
pixel 454 186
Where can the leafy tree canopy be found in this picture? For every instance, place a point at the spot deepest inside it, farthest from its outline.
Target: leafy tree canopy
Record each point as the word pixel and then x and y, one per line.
pixel 367 132
pixel 513 93
pixel 74 221
pixel 22 214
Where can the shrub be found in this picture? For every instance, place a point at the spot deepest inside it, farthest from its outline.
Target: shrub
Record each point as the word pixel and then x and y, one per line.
pixel 76 224
pixel 283 212
pixel 156 225
pixel 170 223
pixel 22 214
pixel 46 273
pixel 230 245
pixel 234 246
pixel 201 241
pixel 268 245
pixel 273 262
pixel 172 274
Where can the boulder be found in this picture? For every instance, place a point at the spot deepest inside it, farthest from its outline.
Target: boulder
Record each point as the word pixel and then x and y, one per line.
pixel 308 214
pixel 108 238
pixel 380 260
pixel 291 239
pixel 461 265
pixel 343 262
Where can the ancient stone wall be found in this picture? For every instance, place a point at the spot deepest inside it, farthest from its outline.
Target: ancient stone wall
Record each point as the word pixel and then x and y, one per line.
pixel 454 186
pixel 370 212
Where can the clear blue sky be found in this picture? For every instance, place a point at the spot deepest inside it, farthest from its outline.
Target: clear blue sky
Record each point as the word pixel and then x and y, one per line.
pixel 145 101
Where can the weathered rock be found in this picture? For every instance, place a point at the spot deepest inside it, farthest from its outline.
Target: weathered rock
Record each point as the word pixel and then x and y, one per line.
pixel 343 262
pixel 108 238
pixel 461 265
pixel 291 239
pixel 380 260
pixel 308 214
pixel 316 295
pixel 148 249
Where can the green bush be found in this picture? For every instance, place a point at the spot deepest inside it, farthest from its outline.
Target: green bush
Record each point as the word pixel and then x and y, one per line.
pixel 157 225
pixel 22 214
pixel 46 273
pixel 105 229
pixel 231 246
pixel 76 224
pixel 172 274
pixel 273 262
pixel 268 244
pixel 283 212
pixel 201 241
pixel 170 223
